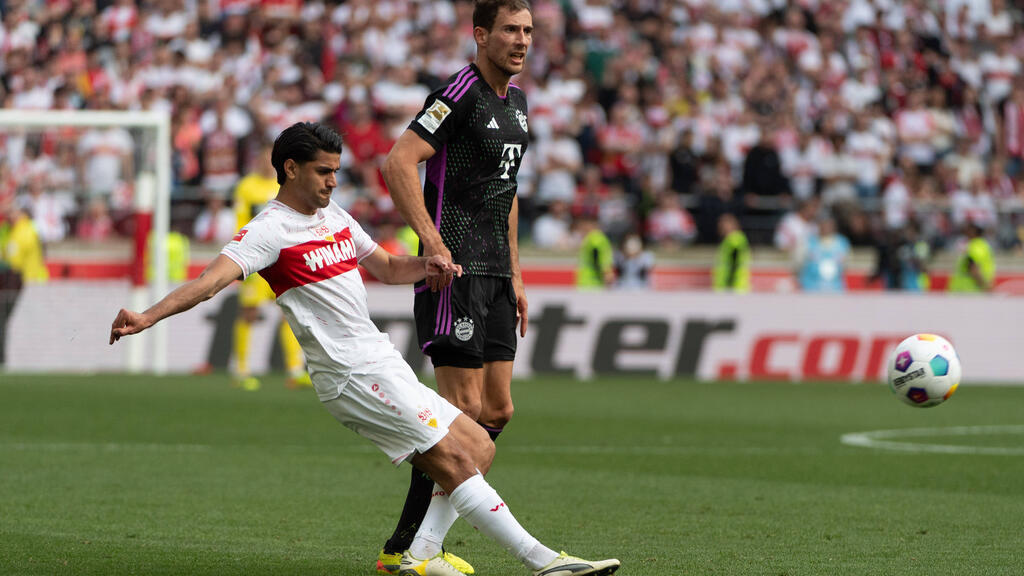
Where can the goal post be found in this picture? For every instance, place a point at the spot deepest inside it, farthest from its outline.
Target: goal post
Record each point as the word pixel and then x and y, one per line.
pixel 151 205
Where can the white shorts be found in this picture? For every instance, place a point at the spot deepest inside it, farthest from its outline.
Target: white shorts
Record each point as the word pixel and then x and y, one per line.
pixel 393 409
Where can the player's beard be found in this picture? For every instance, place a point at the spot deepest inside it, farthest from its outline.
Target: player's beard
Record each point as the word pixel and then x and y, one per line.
pixel 506 66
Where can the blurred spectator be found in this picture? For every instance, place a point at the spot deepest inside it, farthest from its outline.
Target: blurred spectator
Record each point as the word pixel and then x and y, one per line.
pixel 108 169
pixel 385 233
pixel 617 213
pixel 633 263
pixel 972 202
pixel 793 231
pixel 717 197
pixel 868 156
pixel 553 228
pixel 823 262
pixel 903 258
pixel 762 170
pixel 216 223
pixel 914 255
pixel 96 224
pixel 1012 143
pixel 975 268
pixel 368 144
pixel 178 256
pixel 22 250
pixel 669 225
pixel 916 130
pixel 732 264
pixel 559 162
pixel 221 152
pixel 596 267
pixel 49 212
pixel 10 278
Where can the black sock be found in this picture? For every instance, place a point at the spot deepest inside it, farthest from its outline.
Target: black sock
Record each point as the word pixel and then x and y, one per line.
pixel 492 432
pixel 421 488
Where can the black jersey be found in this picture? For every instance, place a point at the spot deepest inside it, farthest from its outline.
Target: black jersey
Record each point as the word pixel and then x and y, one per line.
pixel 470 181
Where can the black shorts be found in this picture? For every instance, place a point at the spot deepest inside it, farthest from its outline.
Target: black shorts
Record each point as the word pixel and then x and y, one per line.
pixel 470 322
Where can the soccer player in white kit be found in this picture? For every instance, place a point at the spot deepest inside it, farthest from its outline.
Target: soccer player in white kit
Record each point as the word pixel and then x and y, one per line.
pixel 309 250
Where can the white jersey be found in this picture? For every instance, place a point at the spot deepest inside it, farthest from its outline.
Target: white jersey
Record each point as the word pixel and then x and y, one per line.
pixel 312 264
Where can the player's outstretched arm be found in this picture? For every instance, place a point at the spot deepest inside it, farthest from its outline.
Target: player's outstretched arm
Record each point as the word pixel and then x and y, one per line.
pixel 394 269
pixel 221 272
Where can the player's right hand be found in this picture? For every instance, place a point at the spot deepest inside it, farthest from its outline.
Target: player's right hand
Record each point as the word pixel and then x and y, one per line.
pixel 445 277
pixel 440 271
pixel 127 322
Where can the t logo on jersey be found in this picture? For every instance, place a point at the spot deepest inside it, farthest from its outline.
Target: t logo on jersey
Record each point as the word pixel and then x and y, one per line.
pixel 510 155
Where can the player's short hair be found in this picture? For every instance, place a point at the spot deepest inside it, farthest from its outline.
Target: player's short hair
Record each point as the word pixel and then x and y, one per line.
pixel 485 12
pixel 300 142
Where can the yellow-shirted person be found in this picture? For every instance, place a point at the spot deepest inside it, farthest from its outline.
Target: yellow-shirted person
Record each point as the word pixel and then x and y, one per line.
pixel 23 250
pixel 252 193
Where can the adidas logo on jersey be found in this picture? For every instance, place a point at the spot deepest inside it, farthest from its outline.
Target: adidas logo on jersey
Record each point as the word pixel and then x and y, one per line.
pixel 330 254
pixel 493 124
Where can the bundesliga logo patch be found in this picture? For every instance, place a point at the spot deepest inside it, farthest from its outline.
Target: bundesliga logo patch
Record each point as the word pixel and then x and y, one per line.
pixel 464 329
pixel 434 116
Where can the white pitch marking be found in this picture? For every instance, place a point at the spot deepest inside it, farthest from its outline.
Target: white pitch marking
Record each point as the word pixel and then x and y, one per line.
pixel 880 439
pixel 670 450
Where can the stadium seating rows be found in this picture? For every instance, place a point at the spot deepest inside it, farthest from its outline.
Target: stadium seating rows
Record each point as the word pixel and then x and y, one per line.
pixel 656 116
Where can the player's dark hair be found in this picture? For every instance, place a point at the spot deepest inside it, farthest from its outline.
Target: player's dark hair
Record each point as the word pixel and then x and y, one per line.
pixel 485 12
pixel 300 142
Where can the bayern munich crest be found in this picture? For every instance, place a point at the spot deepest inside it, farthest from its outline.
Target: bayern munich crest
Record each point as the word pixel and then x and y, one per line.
pixel 464 328
pixel 522 120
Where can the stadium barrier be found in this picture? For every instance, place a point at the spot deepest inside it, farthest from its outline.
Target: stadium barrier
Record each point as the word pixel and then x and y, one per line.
pixel 770 336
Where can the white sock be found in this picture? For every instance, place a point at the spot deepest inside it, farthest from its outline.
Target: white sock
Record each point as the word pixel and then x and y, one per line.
pixel 438 520
pixel 482 507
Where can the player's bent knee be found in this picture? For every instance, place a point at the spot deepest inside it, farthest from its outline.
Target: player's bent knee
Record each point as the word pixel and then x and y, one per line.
pixel 470 406
pixel 448 462
pixel 497 416
pixel 475 440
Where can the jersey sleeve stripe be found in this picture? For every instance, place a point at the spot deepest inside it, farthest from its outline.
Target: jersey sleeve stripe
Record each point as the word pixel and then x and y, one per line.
pixel 436 166
pixel 458 80
pixel 462 92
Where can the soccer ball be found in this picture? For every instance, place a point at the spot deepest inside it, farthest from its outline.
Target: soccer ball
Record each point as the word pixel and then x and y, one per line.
pixel 924 370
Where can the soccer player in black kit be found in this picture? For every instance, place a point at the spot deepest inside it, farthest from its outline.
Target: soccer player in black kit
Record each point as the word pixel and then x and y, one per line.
pixel 472 133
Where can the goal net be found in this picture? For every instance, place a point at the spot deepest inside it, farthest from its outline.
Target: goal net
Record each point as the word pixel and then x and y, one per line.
pixel 96 187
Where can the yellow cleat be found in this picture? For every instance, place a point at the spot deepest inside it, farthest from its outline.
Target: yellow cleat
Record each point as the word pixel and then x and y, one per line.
pixel 436 566
pixel 565 565
pixel 300 380
pixel 388 563
pixel 459 564
pixel 248 383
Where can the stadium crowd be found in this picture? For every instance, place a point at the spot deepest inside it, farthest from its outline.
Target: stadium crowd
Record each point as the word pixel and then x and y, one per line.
pixel 654 116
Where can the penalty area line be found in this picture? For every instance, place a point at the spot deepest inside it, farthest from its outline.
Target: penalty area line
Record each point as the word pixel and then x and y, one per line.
pixel 885 440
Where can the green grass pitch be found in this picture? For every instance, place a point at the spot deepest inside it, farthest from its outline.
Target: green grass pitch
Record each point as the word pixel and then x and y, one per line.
pixel 115 475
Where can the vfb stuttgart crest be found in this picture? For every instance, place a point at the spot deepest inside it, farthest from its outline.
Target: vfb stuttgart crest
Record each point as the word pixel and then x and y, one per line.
pixel 464 328
pixel 522 120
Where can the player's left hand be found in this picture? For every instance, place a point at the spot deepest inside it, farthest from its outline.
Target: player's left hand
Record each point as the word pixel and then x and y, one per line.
pixel 441 270
pixel 522 307
pixel 127 322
